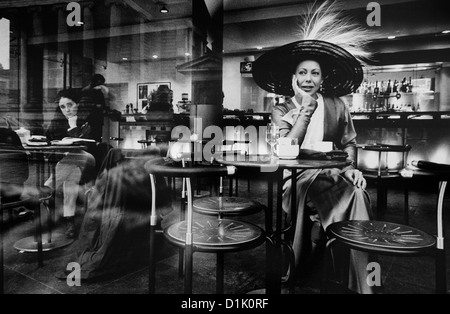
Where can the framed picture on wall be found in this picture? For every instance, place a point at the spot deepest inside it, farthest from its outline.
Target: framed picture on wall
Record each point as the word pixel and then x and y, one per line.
pixel 144 90
pixel 246 67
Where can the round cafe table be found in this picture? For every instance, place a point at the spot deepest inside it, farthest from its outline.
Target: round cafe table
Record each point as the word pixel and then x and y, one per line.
pixel 47 156
pixel 273 168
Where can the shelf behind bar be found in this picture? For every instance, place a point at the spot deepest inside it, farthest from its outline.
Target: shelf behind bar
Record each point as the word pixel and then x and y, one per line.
pixel 409 115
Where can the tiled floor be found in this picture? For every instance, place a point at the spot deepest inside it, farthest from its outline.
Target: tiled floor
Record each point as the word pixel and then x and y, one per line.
pixel 244 271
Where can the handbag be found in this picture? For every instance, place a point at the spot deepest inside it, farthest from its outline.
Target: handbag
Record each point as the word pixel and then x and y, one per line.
pixel 318 155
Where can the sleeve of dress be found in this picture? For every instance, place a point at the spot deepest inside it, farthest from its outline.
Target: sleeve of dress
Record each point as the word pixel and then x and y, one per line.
pixel 58 129
pixel 300 121
pixel 277 117
pixel 348 140
pixel 83 131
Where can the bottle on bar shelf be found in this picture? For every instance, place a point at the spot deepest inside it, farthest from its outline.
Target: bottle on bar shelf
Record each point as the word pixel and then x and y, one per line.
pixel 403 85
pixel 376 89
pixel 395 88
pixel 365 87
pixel 409 86
pixel 388 88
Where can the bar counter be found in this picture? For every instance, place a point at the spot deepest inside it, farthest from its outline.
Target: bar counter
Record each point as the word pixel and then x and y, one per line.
pixel 426 131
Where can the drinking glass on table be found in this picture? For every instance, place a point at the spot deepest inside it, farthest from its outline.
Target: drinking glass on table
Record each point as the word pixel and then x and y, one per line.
pixel 272 136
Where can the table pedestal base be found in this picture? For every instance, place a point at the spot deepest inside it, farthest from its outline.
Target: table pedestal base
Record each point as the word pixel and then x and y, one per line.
pixel 257 291
pixel 29 244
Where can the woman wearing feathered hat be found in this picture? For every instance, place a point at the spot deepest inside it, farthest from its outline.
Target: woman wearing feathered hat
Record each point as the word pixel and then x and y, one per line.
pixel 314 72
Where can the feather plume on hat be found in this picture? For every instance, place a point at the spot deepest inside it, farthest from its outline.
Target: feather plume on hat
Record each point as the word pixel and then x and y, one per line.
pixel 327 23
pixel 335 41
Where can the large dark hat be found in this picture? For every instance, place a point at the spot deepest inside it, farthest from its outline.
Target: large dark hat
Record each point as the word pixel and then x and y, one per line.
pixel 341 71
pixel 327 37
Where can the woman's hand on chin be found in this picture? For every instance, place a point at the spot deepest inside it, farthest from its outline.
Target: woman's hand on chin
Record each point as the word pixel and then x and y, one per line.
pixel 72 121
pixel 306 101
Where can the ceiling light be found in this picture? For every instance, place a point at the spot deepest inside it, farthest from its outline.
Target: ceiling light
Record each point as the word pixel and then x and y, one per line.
pixel 155 56
pixel 259 48
pixel 124 59
pixel 447 31
pixel 391 37
pixel 187 54
pixel 164 9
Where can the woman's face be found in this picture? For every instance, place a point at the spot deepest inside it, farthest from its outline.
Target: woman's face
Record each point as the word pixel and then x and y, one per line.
pixel 68 107
pixel 309 76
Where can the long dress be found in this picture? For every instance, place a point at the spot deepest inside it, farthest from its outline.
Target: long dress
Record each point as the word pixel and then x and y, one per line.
pixel 331 194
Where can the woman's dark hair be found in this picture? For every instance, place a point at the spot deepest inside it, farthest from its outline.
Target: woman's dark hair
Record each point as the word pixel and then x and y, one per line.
pixel 72 94
pixel 75 95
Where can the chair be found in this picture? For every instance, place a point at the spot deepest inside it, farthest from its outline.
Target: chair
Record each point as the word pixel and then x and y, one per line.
pixel 146 143
pixel 379 237
pixel 211 235
pixel 314 242
pixel 119 140
pixel 33 201
pixel 226 206
pixel 152 140
pixel 383 175
pixel 230 206
pixel 401 239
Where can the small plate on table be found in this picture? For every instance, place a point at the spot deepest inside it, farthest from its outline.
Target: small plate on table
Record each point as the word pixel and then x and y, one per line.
pixel 67 141
pixel 37 140
pixel 36 143
pixel 62 143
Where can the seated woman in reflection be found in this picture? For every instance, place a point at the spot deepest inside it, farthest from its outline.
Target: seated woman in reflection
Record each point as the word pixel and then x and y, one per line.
pixel 72 119
pixel 311 116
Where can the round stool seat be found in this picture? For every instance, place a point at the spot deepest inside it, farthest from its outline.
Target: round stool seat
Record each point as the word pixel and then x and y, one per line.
pixel 387 148
pixel 228 206
pixel 381 236
pixel 208 236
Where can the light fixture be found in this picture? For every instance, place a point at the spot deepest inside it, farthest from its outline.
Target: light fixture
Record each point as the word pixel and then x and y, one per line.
pixel 164 9
pixel 259 48
pixel 187 54
pixel 155 56
pixel 124 58
pixel 447 31
pixel 391 37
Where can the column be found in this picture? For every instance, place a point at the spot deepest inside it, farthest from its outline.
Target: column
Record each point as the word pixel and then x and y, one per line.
pixel 114 73
pixel 32 114
pixel 88 26
pixel 444 82
pixel 14 84
pixel 207 88
pixel 62 46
